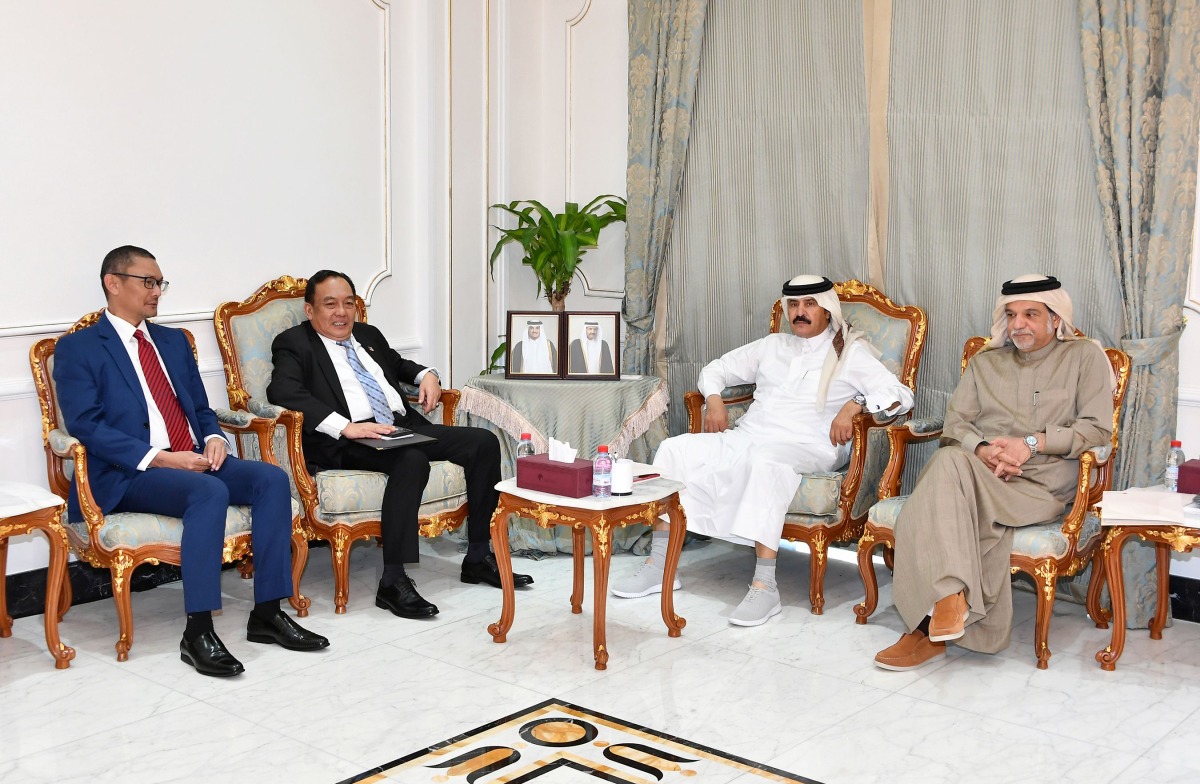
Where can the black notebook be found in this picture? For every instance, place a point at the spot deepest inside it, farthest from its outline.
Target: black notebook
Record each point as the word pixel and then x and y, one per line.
pixel 399 437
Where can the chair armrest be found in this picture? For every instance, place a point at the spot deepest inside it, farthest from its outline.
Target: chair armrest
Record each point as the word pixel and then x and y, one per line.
pixel 292 423
pixel 914 431
pixel 260 407
pixel 694 402
pixel 62 444
pixel 93 515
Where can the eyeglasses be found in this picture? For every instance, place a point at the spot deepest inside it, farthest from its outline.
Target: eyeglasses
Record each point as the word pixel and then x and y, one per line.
pixel 147 281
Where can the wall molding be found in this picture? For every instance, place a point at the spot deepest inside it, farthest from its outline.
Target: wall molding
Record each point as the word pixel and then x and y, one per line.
pixel 569 146
pixel 1189 396
pixel 386 272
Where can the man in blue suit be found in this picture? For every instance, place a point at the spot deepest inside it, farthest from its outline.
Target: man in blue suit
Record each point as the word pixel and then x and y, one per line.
pixel 131 392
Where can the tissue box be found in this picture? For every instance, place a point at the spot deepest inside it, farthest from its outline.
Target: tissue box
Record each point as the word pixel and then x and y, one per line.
pixel 1189 477
pixel 539 472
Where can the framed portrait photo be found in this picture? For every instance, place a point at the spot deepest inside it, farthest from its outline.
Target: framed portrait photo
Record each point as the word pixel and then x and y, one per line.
pixel 533 345
pixel 593 346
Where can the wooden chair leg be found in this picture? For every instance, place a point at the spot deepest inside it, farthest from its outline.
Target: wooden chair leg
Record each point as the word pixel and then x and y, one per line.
pixel 5 619
pixel 122 570
pixel 1047 577
pixel 300 603
pixel 1162 559
pixel 889 558
pixel 245 567
pixel 341 571
pixel 816 578
pixel 1100 616
pixel 866 571
pixel 66 596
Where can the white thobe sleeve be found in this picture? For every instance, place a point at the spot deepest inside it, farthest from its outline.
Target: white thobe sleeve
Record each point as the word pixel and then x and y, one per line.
pixel 880 386
pixel 739 366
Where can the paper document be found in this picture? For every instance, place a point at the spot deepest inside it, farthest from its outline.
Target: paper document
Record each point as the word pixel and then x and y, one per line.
pixel 1145 506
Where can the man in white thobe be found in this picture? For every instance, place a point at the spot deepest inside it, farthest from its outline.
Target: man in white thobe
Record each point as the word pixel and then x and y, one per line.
pixel 740 481
pixel 535 353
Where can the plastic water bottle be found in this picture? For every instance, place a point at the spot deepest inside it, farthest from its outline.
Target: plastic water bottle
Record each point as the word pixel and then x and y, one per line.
pixel 602 473
pixel 525 448
pixel 1175 458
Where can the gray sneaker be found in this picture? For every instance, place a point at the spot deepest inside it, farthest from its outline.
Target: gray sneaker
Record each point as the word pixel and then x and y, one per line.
pixel 758 606
pixel 646 580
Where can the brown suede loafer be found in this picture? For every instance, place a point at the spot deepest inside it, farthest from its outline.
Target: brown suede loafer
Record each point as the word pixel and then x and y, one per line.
pixel 911 651
pixel 948 619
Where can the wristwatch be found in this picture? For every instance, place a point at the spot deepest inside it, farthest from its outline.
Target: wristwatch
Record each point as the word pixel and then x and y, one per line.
pixel 1031 442
pixel 861 400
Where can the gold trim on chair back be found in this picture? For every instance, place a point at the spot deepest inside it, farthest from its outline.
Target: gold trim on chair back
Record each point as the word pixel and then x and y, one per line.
pixel 856 291
pixel 285 287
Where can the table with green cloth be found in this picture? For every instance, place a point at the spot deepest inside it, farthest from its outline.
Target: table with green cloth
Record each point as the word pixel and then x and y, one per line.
pixel 627 414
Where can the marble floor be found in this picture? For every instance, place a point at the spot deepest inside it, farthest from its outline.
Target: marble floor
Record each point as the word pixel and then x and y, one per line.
pixel 799 694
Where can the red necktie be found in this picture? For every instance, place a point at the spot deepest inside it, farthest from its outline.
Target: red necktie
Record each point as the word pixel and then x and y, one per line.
pixel 164 396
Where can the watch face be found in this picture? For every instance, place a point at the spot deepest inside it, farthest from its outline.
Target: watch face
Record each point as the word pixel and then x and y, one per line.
pixel 1031 440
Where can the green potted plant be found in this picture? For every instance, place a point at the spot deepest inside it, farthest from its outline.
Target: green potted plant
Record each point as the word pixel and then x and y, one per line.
pixel 554 243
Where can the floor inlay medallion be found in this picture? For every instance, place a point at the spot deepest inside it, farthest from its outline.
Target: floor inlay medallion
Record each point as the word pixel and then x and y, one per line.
pixel 555 742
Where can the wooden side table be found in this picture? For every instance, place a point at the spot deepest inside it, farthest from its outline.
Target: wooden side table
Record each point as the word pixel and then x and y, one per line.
pixel 1179 538
pixel 24 509
pixel 600 516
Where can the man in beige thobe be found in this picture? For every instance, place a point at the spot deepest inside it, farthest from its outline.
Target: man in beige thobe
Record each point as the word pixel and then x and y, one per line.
pixel 1029 404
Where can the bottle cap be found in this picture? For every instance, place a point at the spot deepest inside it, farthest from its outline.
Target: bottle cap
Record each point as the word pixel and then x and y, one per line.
pixel 526 437
pixel 603 448
pixel 1176 443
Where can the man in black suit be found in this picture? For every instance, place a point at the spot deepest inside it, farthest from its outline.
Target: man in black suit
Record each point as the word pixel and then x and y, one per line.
pixel 344 377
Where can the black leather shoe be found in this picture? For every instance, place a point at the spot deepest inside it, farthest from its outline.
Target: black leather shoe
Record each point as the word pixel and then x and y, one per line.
pixel 209 656
pixel 486 571
pixel 282 630
pixel 403 600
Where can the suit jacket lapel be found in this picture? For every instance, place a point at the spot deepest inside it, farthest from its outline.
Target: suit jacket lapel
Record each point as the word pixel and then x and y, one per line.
pixel 325 366
pixel 120 357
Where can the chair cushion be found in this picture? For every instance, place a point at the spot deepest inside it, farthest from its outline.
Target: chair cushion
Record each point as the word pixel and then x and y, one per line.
pixel 817 495
pixel 1047 540
pixel 137 529
pixel 884 513
pixel 353 492
pixel 1035 541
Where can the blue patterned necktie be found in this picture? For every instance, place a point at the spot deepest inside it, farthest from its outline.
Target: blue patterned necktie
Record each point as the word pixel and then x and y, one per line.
pixel 379 404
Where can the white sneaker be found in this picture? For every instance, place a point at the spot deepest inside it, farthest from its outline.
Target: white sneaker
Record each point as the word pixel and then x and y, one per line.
pixel 757 608
pixel 646 580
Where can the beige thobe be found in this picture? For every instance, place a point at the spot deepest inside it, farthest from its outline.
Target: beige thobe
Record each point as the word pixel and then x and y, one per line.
pixel 955 531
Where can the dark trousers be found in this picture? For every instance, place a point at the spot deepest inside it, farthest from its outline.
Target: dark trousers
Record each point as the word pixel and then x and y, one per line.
pixel 202 499
pixel 407 467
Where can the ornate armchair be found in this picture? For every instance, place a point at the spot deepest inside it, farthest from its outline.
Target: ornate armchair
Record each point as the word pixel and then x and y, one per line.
pixel 832 506
pixel 1045 552
pixel 123 541
pixel 341 506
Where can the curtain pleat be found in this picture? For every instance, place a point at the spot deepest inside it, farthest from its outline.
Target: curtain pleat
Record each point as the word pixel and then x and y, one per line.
pixel 776 180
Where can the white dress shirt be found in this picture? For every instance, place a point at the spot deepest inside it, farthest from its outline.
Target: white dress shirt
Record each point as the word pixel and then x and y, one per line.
pixel 352 388
pixel 159 439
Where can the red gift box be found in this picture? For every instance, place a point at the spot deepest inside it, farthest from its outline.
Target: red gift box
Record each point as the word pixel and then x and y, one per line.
pixel 1189 477
pixel 539 472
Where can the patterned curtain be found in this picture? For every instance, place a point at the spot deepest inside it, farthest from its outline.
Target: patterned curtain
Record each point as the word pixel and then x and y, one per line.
pixel 1141 61
pixel 665 38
